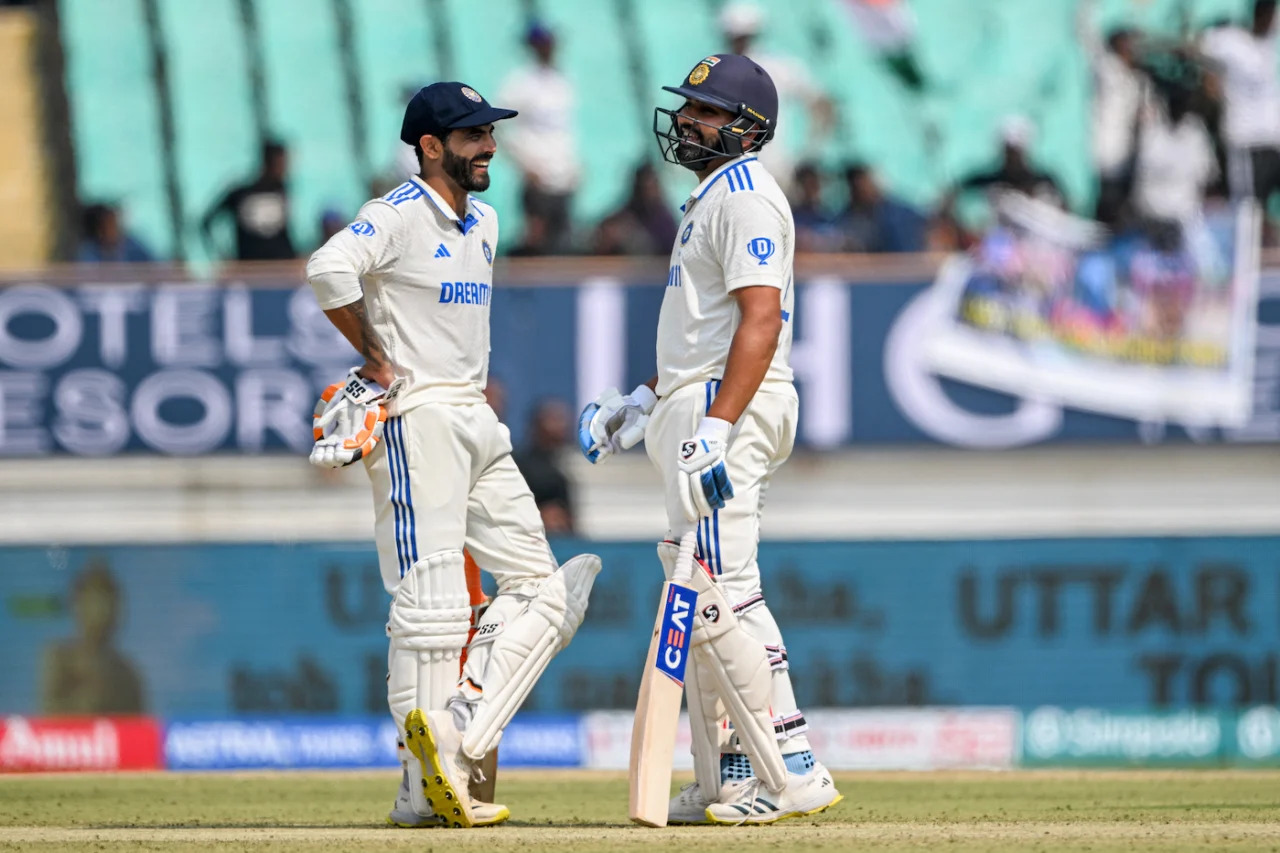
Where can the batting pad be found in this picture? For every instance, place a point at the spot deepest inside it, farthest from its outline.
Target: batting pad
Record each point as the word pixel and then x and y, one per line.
pixel 736 665
pixel 428 624
pixel 520 653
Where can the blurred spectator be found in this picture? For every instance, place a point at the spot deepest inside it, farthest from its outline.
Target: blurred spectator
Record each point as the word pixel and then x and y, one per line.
pixel 795 139
pixel 1119 91
pixel 331 222
pixel 541 142
pixel 1246 59
pixel 644 225
pixel 539 462
pixel 889 28
pixel 260 209
pixel 86 673
pixel 104 240
pixel 875 222
pixel 816 227
pixel 1175 162
pixel 1015 171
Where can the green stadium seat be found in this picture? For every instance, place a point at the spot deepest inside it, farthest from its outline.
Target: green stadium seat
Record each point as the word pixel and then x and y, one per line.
pixel 396 53
pixel 673 35
pixel 613 128
pixel 307 108
pixel 215 140
pixel 115 121
pixel 486 43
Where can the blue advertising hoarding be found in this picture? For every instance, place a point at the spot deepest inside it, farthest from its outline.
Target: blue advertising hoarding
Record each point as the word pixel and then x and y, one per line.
pixel 193 368
pixel 250 630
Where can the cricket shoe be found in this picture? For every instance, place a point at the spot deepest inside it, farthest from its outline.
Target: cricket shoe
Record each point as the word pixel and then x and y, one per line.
pixel 404 814
pixel 435 741
pixel 688 808
pixel 747 801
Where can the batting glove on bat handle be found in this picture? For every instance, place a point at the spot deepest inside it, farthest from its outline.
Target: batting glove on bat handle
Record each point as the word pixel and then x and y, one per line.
pixel 706 484
pixel 614 423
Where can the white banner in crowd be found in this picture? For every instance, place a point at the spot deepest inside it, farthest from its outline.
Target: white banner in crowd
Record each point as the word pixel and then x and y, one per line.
pixel 1158 327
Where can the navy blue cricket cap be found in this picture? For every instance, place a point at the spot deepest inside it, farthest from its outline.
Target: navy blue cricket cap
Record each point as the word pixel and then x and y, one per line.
pixel 732 82
pixel 441 107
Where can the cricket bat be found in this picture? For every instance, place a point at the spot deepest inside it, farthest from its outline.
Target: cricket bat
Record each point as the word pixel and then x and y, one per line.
pixel 653 733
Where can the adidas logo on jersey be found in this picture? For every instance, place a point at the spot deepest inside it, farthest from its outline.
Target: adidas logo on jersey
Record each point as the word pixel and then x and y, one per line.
pixel 442 252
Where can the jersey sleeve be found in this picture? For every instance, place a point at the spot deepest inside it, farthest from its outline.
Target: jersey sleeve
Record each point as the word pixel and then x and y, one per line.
pixel 752 239
pixel 367 246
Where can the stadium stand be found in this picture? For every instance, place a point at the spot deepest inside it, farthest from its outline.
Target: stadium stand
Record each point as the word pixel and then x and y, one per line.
pixel 983 60
pixel 215 140
pixel 308 110
pixel 115 113
pixel 396 51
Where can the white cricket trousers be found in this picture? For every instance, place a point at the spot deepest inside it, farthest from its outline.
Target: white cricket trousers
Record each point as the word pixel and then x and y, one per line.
pixel 443 479
pixel 727 541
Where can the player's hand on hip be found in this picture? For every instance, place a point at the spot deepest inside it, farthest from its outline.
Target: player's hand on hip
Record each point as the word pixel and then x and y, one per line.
pixel 705 480
pixel 348 420
pixel 614 423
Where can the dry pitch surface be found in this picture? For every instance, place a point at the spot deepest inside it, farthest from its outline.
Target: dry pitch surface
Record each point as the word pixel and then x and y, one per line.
pixel 582 811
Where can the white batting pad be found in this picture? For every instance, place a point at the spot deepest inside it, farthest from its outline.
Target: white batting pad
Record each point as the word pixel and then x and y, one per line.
pixel 428 623
pixel 520 652
pixel 735 664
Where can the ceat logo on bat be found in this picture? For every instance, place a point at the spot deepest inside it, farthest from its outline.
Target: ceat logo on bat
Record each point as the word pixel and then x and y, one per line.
pixel 674 635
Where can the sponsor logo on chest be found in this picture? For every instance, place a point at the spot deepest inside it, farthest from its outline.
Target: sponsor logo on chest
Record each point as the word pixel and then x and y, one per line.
pixel 464 292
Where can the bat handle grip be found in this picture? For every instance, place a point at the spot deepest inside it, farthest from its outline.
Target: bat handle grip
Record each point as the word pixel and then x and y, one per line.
pixel 684 560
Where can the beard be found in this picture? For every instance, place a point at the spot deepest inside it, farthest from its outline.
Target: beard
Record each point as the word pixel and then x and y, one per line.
pixel 692 151
pixel 463 172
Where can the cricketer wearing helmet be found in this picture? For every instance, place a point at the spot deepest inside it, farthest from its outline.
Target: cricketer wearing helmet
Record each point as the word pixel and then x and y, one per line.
pixel 409 284
pixel 718 420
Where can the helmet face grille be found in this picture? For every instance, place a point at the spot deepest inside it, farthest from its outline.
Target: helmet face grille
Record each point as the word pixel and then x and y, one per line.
pixel 695 155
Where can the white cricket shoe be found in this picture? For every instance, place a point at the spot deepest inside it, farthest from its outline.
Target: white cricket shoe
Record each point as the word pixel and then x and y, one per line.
pixel 404 814
pixel 435 741
pixel 688 808
pixel 747 801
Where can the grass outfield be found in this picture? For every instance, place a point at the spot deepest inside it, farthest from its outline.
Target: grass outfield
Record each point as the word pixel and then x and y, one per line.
pixel 582 811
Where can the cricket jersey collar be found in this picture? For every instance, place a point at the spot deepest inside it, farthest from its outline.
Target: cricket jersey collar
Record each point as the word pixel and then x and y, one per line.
pixel 464 225
pixel 705 187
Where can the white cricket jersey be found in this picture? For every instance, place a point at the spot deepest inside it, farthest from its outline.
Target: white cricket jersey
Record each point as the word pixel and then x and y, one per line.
pixel 736 232
pixel 426 279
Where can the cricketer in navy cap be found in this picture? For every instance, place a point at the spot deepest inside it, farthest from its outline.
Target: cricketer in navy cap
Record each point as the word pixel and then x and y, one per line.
pixel 727 82
pixel 440 108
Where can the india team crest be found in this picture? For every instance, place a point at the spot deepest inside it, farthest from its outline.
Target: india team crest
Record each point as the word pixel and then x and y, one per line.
pixel 488 252
pixel 699 73
pixel 471 94
pixel 688 230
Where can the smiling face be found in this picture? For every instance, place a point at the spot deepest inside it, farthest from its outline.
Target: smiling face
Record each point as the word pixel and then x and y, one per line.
pixel 463 156
pixel 698 124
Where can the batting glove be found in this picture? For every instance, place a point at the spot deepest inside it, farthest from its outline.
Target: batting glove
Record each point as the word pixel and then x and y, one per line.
pixel 614 423
pixel 702 464
pixel 348 420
